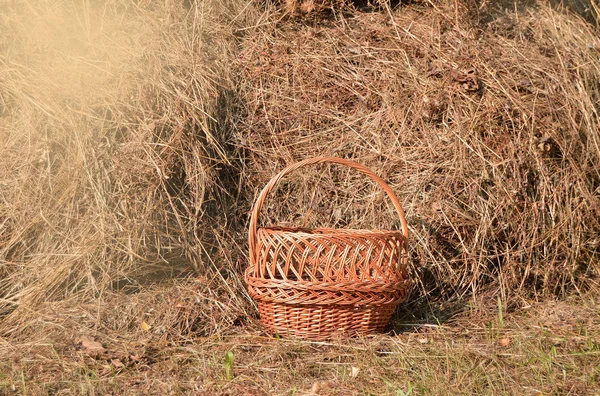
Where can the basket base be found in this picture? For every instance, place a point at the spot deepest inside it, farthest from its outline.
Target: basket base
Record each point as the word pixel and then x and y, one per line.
pixel 320 322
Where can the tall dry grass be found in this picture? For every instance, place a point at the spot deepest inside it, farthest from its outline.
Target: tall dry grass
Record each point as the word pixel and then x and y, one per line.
pixel 135 135
pixel 113 145
pixel 486 125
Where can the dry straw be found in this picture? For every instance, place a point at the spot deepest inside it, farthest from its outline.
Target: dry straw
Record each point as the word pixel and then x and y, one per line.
pixel 113 147
pixel 487 128
pixel 121 124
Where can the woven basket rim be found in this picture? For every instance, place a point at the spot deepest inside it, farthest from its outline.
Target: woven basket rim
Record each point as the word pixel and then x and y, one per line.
pixel 274 283
pixel 324 231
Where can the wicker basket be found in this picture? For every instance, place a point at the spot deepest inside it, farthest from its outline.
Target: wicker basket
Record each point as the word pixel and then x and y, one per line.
pixel 314 284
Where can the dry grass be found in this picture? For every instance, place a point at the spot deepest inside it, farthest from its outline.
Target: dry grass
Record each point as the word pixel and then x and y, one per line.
pixel 487 129
pixel 113 145
pixel 551 348
pixel 134 136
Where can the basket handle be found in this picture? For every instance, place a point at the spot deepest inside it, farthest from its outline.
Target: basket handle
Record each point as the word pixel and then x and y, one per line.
pixel 310 161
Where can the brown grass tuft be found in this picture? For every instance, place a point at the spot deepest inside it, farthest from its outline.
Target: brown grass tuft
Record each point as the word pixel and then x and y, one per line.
pixel 113 144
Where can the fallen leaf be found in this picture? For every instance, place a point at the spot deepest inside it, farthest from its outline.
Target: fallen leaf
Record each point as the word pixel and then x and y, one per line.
pixel 504 341
pixel 423 340
pixel 354 372
pixel 307 7
pixel 322 386
pixel 91 345
pixel 145 326
pixel 316 387
pixel 117 363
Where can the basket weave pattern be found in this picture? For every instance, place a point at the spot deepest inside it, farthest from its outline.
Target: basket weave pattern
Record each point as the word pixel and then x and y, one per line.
pixel 316 283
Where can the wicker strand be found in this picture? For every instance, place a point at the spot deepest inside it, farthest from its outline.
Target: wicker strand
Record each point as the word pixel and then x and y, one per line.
pixel 316 283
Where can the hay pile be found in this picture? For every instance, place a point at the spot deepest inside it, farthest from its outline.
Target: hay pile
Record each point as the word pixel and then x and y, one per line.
pixel 488 131
pixel 134 137
pixel 113 146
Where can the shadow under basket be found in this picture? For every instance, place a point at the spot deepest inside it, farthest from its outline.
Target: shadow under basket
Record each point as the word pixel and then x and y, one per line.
pixel 318 284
